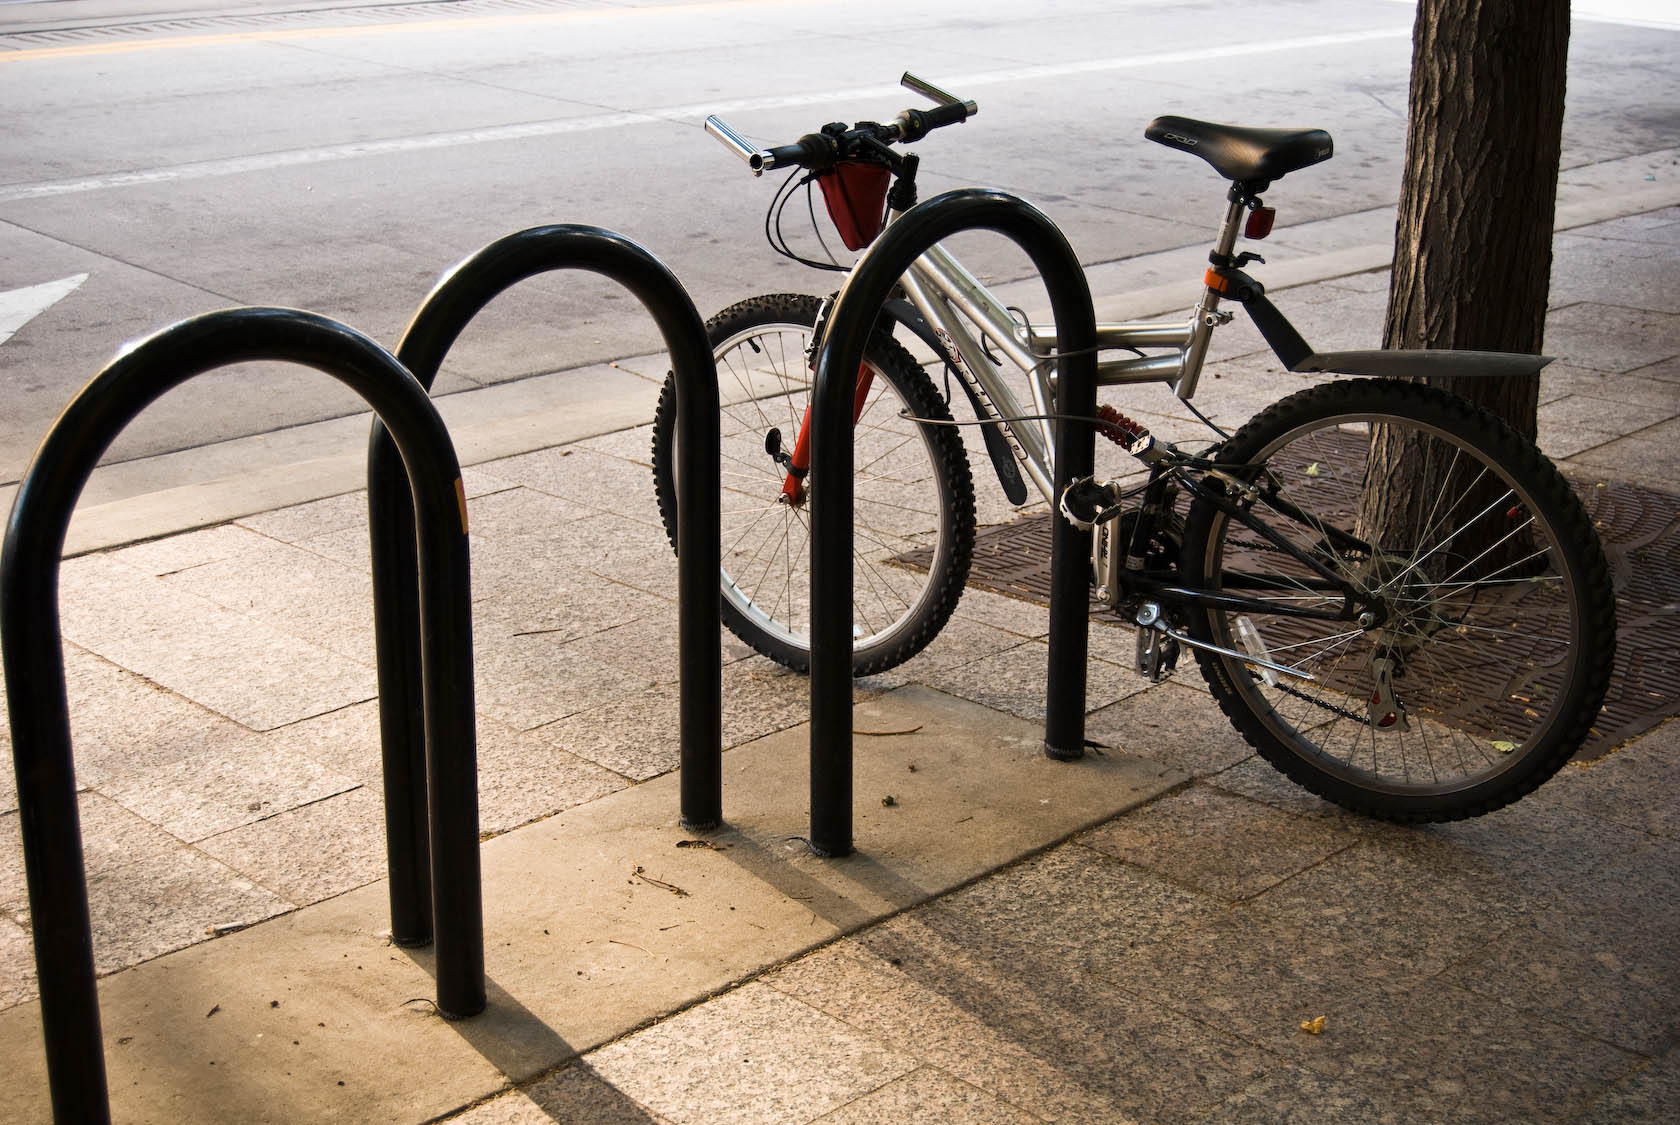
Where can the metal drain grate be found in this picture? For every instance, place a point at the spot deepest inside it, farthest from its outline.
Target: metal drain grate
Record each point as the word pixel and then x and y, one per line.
pixel 1640 529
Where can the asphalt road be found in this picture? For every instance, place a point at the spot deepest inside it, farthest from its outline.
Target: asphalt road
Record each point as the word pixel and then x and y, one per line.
pixel 190 156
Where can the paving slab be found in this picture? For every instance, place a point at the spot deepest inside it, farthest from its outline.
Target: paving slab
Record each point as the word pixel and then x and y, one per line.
pixel 234 665
pixel 1650 1093
pixel 1175 723
pixel 1611 338
pixel 1438 1047
pixel 311 852
pixel 112 836
pixel 122 723
pixel 1238 848
pixel 1032 1030
pixel 574 1093
pixel 777 1059
pixel 928 1094
pixel 597 922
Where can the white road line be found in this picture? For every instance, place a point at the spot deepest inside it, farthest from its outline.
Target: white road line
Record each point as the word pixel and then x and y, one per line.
pixel 20 306
pixel 685 114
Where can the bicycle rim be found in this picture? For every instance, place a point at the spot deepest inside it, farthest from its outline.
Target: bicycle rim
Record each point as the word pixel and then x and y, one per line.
pixel 898 505
pixel 1487 661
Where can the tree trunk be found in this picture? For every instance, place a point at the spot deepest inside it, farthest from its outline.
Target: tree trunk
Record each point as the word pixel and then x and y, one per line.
pixel 1473 238
pixel 1473 241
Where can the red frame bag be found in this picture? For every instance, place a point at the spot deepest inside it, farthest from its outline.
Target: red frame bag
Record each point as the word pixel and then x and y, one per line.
pixel 856 194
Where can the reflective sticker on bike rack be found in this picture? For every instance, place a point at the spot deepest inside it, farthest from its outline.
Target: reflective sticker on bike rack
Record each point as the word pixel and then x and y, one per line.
pixel 461 502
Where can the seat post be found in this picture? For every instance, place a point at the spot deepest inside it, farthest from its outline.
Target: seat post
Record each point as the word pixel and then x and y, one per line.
pixel 1236 206
pixel 1206 317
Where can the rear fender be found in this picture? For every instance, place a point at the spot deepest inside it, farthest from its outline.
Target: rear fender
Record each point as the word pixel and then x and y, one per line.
pixel 1423 364
pixel 1428 363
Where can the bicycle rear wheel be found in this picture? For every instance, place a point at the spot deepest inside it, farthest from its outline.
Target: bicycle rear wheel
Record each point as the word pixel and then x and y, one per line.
pixel 911 489
pixel 1491 628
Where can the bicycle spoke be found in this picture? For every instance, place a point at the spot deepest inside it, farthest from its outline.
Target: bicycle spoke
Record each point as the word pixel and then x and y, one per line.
pixel 1463 678
pixel 910 483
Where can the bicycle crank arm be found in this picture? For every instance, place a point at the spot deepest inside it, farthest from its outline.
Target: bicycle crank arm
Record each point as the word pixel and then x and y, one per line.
pixel 1149 618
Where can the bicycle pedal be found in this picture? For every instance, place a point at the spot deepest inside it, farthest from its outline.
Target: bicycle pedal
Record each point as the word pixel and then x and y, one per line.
pixel 1086 503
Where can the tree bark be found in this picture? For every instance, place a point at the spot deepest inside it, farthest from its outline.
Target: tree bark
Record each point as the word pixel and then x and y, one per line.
pixel 1473 240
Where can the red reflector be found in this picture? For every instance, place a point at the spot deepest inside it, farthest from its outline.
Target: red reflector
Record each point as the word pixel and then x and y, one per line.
pixel 1260 222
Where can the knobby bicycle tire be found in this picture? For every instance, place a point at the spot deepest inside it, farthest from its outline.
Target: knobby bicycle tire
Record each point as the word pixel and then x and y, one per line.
pixel 912 489
pixel 1495 630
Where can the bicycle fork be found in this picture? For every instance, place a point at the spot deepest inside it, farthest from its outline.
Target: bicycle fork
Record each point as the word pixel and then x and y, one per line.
pixel 798 463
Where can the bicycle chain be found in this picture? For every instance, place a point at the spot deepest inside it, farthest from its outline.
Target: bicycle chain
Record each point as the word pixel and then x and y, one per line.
pixel 1257 545
pixel 1363 720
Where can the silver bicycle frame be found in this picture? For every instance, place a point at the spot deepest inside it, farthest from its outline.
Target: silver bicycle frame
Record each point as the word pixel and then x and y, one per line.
pixel 954 303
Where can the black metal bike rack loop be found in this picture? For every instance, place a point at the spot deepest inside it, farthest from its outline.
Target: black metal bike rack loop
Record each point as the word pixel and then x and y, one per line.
pixel 445 313
pixel 850 324
pixel 31 649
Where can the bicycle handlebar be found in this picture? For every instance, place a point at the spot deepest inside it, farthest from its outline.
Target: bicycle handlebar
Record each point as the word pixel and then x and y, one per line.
pixel 825 149
pixel 933 93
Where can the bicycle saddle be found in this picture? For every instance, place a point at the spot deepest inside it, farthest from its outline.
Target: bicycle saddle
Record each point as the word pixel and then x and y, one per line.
pixel 1240 153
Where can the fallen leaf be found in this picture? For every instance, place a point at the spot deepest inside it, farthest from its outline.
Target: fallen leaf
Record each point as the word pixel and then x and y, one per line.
pixel 1314 1026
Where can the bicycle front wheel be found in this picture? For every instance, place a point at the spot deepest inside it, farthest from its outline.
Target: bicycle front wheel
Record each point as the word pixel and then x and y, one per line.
pixel 911 489
pixel 1476 651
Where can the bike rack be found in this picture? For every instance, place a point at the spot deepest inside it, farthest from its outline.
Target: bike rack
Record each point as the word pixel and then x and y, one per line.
pixel 32 653
pixel 850 324
pixel 445 313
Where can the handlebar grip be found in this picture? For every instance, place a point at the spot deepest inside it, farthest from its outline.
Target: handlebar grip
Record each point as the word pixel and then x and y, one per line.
pixel 914 124
pixel 813 150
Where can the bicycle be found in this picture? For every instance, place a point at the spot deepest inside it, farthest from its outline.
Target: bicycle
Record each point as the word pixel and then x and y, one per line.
pixel 1422 655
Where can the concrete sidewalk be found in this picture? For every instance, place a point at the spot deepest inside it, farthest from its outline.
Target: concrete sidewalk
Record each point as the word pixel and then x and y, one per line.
pixel 1138 935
